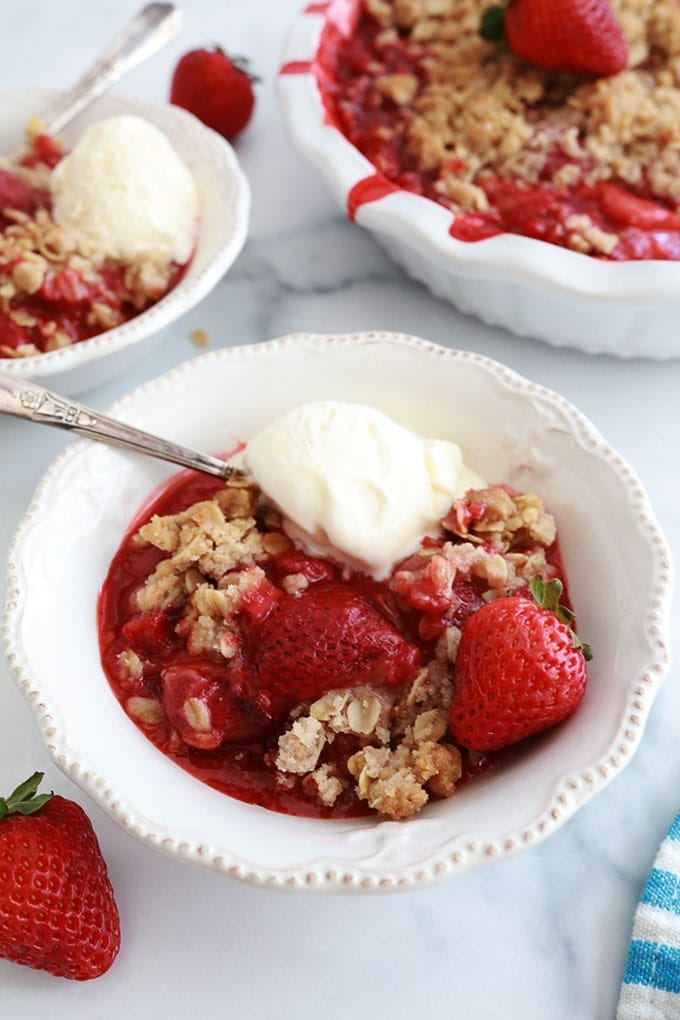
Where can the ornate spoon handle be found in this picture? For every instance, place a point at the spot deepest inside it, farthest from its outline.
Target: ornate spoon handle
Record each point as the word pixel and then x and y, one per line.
pixel 24 399
pixel 150 29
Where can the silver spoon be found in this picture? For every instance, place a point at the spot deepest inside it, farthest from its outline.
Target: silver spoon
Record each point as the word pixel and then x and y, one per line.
pixel 149 30
pixel 23 399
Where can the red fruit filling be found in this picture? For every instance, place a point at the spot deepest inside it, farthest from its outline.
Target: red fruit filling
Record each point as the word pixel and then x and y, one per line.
pixel 55 289
pixel 509 147
pixel 282 680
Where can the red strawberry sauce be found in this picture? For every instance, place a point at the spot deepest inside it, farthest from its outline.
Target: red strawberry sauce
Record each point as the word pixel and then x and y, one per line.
pixel 345 72
pixel 244 769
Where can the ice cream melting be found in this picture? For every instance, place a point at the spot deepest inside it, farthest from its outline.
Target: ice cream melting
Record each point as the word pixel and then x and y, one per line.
pixel 353 484
pixel 125 189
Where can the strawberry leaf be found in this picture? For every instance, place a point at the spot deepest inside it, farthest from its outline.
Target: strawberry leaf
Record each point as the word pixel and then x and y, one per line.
pixel 585 648
pixel 23 800
pixel 243 64
pixel 491 25
pixel 27 789
pixel 548 595
pixel 29 807
pixel 240 63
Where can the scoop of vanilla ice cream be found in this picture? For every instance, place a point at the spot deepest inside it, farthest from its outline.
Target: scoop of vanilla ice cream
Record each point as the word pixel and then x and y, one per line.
pixel 353 484
pixel 124 188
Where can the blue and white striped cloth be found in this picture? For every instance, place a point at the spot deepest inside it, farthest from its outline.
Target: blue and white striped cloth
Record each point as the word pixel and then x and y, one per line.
pixel 651 983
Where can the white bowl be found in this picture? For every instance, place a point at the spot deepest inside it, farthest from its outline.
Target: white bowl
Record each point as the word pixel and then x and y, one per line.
pixel 224 208
pixel 528 286
pixel 510 429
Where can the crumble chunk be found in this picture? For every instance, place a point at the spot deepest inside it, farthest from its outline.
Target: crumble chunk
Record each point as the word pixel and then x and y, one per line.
pixel 301 745
pixel 493 517
pixel 394 780
pixel 397 783
pixel 343 711
pixel 131 664
pixel 240 498
pixel 211 569
pixel 293 583
pixel 200 536
pixel 208 619
pixel 148 711
pixel 388 781
pixel 441 766
pixel 400 88
pixel 328 784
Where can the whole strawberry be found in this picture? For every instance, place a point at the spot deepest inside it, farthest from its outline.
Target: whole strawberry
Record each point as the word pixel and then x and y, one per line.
pixel 519 670
pixel 57 910
pixel 216 88
pixel 572 36
pixel 328 636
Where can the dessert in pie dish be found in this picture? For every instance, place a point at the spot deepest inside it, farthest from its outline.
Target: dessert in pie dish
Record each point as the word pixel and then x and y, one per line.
pixel 92 237
pixel 573 143
pixel 354 623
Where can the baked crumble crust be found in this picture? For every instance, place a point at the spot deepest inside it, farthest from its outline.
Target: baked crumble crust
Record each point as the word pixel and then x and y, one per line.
pixel 200 537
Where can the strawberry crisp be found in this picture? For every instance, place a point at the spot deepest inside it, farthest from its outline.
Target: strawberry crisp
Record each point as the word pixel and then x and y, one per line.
pixel 588 161
pixel 56 286
pixel 286 681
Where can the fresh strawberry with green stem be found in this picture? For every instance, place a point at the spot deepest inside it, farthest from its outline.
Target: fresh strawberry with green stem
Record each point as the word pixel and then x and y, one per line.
pixel 328 636
pixel 57 908
pixel 520 669
pixel 571 36
pixel 216 88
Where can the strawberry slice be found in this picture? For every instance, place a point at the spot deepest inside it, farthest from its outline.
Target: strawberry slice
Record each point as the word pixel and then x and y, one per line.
pixel 628 210
pixel 325 637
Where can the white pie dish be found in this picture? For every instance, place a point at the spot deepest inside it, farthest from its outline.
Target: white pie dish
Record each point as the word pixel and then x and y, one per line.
pixel 535 289
pixel 224 196
pixel 510 429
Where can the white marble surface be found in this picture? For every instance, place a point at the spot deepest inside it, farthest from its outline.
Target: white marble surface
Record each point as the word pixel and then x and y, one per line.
pixel 542 936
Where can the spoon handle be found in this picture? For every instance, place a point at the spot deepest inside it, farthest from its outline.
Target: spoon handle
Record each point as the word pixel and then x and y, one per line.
pixel 24 399
pixel 150 29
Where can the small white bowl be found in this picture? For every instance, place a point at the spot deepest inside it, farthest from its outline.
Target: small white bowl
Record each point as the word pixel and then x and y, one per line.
pixel 528 286
pixel 224 196
pixel 510 430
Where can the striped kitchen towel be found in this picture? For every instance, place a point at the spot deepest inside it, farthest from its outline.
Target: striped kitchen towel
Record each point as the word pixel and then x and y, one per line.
pixel 651 983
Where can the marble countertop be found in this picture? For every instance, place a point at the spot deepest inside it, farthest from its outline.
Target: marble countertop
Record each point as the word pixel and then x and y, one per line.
pixel 541 936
